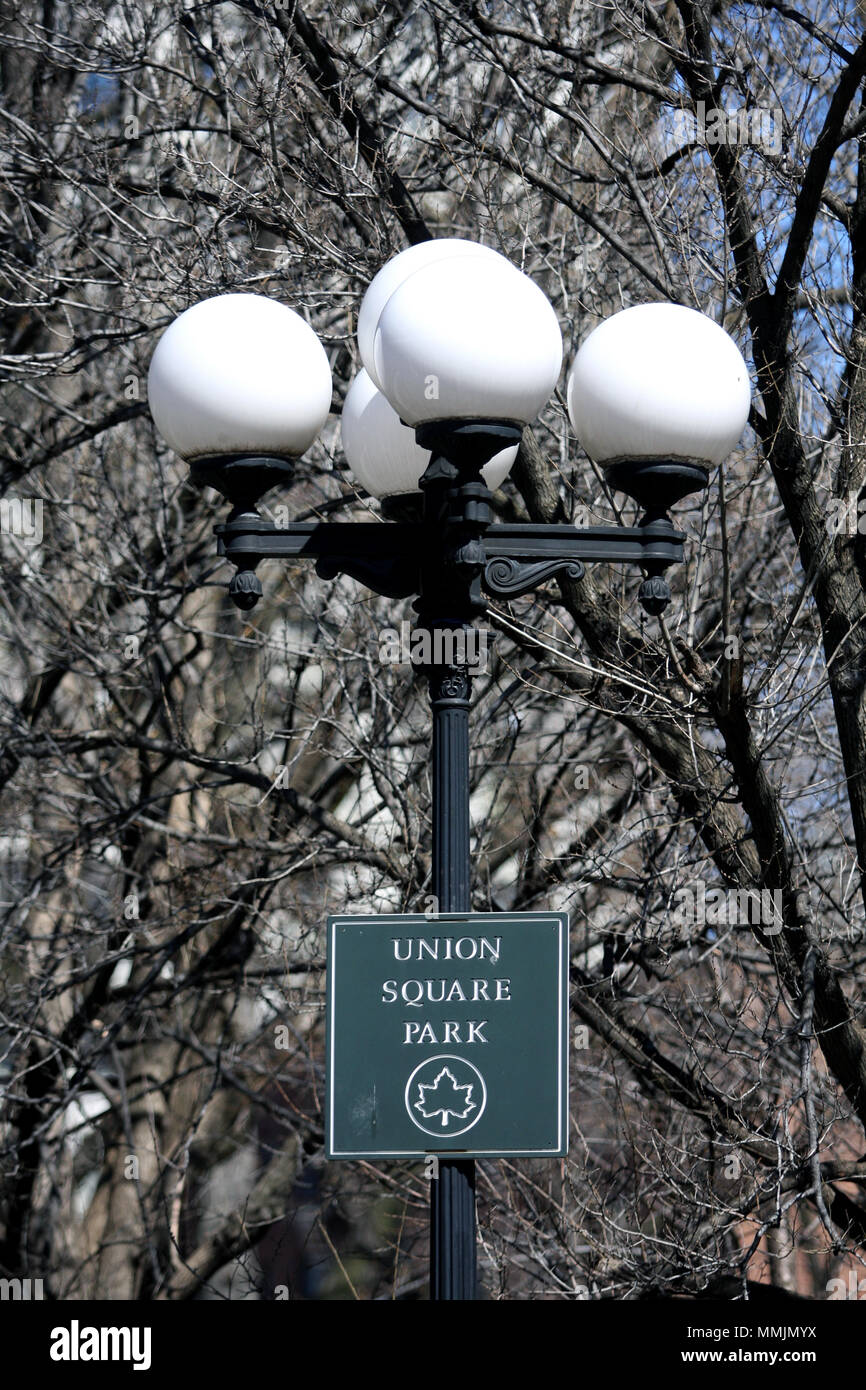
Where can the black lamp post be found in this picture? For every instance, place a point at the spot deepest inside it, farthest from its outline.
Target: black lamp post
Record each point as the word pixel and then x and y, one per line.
pixel 443 549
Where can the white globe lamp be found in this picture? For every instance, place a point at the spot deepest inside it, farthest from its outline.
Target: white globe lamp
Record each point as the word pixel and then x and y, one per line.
pixel 239 374
pixel 658 394
pixel 239 385
pixel 392 275
pixel 467 339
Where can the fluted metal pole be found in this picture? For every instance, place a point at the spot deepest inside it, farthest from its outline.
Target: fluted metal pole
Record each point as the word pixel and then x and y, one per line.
pixel 457 513
pixel 452 1199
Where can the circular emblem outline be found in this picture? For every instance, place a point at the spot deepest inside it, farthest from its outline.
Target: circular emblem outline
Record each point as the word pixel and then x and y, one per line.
pixel 441 1132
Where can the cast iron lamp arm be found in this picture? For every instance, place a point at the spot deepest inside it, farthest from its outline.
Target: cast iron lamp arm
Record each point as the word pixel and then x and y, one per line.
pixel 390 557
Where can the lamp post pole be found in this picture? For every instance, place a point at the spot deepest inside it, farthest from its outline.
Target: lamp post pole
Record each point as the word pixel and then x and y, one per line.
pixel 452 1196
pixel 456 515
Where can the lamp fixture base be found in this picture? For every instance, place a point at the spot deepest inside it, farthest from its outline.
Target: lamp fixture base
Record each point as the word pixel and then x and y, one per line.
pixel 403 506
pixel 242 479
pixel 467 443
pixel 656 484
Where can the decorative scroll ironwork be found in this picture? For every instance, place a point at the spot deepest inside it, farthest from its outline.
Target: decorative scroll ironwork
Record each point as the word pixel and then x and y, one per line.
pixel 449 683
pixel 507 578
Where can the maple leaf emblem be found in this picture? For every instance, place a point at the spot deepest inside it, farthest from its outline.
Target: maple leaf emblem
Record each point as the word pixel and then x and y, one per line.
pixel 445 1098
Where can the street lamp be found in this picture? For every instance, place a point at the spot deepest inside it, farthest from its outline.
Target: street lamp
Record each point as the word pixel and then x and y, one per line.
pixel 658 394
pixel 392 276
pixel 461 351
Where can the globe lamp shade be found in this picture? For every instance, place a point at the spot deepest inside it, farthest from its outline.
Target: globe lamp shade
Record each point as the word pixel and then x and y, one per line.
pixel 468 339
pixel 239 374
pixel 659 382
pixel 392 275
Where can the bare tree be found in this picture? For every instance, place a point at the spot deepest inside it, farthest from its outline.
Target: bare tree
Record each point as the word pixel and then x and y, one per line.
pixel 188 795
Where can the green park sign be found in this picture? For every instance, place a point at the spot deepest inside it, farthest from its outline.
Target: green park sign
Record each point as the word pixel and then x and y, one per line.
pixel 448 1034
